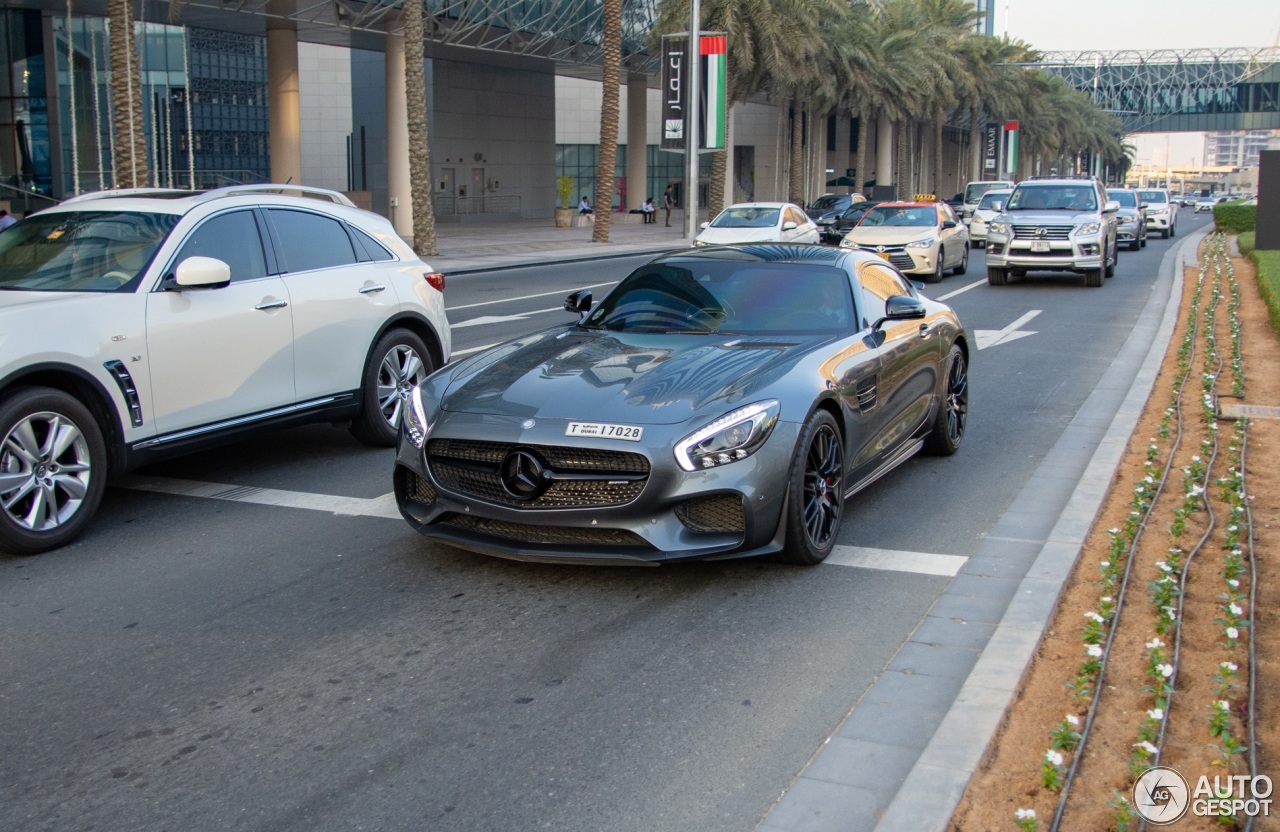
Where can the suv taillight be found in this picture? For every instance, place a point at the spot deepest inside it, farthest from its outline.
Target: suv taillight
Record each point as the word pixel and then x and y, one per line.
pixel 436 280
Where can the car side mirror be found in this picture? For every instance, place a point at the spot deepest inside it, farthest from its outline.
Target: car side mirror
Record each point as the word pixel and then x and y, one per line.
pixel 900 308
pixel 997 206
pixel 1111 207
pixel 579 302
pixel 705 226
pixel 948 224
pixel 789 226
pixel 200 273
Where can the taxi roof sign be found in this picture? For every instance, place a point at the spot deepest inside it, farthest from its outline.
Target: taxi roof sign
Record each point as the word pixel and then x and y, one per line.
pixel 925 198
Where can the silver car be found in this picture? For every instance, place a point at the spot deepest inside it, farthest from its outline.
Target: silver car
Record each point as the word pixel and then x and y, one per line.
pixel 1131 219
pixel 1054 224
pixel 719 403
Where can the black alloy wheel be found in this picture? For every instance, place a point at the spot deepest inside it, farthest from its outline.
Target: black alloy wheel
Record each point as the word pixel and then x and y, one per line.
pixel 815 495
pixel 964 263
pixel 948 427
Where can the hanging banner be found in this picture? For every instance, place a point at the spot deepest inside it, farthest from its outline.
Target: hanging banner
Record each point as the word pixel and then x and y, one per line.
pixel 714 50
pixel 991 147
pixel 674 58
pixel 1011 148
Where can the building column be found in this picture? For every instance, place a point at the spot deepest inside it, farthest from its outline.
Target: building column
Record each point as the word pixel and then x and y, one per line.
pixel 884 151
pixel 637 144
pixel 399 189
pixel 284 108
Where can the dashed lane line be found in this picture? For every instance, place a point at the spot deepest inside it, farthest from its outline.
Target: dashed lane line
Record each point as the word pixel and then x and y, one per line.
pixel 920 563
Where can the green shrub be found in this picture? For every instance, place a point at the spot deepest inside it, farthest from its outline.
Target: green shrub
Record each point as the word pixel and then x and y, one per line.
pixel 1246 239
pixel 1268 264
pixel 564 190
pixel 1235 217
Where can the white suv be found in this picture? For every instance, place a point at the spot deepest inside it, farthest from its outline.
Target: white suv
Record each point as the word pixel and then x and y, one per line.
pixel 141 324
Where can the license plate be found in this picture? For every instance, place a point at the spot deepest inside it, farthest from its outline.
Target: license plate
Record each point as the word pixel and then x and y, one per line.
pixel 600 430
pixel 883 254
pixel 1039 245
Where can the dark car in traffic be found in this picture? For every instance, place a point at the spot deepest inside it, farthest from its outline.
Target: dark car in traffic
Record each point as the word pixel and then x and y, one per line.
pixel 719 402
pixel 839 227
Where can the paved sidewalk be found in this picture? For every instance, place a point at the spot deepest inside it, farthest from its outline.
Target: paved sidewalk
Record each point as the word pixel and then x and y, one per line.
pixel 499 244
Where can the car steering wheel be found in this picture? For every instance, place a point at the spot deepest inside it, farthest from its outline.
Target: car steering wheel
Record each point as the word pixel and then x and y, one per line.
pixel 712 314
pixel 118 276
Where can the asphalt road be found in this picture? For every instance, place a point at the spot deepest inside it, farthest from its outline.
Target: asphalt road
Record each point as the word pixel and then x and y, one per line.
pixel 241 662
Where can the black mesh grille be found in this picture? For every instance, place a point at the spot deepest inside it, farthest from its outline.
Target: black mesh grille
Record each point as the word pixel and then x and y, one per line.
pixel 545 535
pixel 721 513
pixel 902 260
pixel 418 489
pixel 581 476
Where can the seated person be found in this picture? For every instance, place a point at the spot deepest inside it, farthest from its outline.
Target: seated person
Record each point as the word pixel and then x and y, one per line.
pixel 649 210
pixel 584 207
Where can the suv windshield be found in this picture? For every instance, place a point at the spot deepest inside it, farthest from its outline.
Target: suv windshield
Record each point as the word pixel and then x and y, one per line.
pixel 1053 198
pixel 1127 199
pixel 894 215
pixel 1153 196
pixel 747 217
pixel 830 203
pixel 82 251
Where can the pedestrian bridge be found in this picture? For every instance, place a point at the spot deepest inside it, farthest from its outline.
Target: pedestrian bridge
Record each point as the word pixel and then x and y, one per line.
pixel 1174 91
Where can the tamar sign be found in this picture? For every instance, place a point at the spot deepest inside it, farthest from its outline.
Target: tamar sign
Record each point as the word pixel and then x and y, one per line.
pixel 675 82
pixel 675 58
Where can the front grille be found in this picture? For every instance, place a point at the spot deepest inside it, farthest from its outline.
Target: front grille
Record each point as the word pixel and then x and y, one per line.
pixel 902 260
pixel 721 513
pixel 545 535
pixel 1051 232
pixel 418 489
pixel 578 477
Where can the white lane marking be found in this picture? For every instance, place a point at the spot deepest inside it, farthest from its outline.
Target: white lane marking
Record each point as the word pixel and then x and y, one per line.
pixel 991 337
pixel 523 297
pixel 484 320
pixel 921 563
pixel 972 285
pixel 383 506
pixel 457 353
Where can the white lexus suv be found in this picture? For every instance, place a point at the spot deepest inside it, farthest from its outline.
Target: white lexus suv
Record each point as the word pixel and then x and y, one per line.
pixel 140 324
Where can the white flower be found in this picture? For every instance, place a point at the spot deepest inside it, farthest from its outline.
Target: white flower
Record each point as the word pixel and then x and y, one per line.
pixel 1195 458
pixel 1235 609
pixel 1113 532
pixel 1165 670
pixel 1233 583
pixel 1106 564
pixel 1163 566
pixel 1106 599
pixel 1095 617
pixel 1146 747
pixel 1025 814
pixel 1233 633
pixel 1156 714
pixel 1228 666
pixel 1195 491
pixel 1094 650
pixel 1154 643
pixel 1073 719
pixel 1053 757
pixel 1224 705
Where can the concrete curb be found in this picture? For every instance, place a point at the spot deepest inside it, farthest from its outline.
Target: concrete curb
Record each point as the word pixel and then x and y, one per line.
pixel 934 786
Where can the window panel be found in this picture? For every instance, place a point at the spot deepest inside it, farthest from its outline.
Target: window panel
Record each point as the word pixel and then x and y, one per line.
pixel 310 241
pixel 232 238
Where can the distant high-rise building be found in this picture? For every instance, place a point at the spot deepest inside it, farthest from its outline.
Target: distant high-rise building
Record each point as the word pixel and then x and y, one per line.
pixel 1236 148
pixel 986 24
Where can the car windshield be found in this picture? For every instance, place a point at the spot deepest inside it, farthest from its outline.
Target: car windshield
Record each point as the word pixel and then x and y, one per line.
pixel 829 203
pixel 855 212
pixel 1127 199
pixel 889 215
pixel 974 190
pixel 728 297
pixel 747 216
pixel 1153 196
pixel 1053 198
pixel 82 251
pixel 990 198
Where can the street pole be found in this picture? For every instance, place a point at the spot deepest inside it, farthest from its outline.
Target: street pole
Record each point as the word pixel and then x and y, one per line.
pixel 693 160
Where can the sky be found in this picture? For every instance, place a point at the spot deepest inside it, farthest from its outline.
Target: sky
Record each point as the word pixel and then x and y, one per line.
pixel 1143 25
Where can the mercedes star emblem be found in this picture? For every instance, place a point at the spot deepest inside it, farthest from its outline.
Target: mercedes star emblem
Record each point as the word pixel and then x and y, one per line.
pixel 523 475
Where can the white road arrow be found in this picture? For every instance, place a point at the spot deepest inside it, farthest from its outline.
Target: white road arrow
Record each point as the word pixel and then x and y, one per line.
pixel 502 319
pixel 991 337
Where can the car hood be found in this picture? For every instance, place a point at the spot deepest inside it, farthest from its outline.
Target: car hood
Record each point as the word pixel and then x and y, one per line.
pixel 894 235
pixel 726 236
pixel 573 373
pixel 1049 217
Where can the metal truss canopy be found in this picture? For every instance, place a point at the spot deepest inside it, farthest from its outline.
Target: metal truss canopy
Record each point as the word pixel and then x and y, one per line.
pixel 1170 91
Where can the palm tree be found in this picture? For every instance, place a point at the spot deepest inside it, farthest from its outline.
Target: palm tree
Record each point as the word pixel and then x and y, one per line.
pixel 415 91
pixel 612 45
pixel 130 160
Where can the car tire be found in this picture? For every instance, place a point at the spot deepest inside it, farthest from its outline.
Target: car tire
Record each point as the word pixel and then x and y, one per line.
pixel 815 492
pixel 1135 245
pixel 964 263
pixel 948 426
pixel 1093 278
pixel 1109 270
pixel 1143 241
pixel 936 275
pixel 74 478
pixel 1173 231
pixel 1164 233
pixel 996 276
pixel 398 361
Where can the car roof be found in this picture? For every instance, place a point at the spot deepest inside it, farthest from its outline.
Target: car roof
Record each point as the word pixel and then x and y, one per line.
pixel 175 201
pixel 907 205
pixel 760 253
pixel 761 205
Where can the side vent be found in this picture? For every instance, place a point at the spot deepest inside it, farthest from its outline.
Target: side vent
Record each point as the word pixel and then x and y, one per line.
pixel 866 392
pixel 121 374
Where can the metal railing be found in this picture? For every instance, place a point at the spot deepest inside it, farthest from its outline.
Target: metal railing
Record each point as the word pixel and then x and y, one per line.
pixel 22 201
pixel 489 204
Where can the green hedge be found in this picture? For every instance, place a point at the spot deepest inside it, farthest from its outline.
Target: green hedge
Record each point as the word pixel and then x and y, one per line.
pixel 1247 241
pixel 1268 263
pixel 1235 217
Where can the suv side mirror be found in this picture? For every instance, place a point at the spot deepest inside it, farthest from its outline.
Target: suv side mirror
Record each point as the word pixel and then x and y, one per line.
pixel 200 273
pixel 1111 207
pixel 997 206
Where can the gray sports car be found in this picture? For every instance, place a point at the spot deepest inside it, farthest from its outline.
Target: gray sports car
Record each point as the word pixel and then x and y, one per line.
pixel 718 403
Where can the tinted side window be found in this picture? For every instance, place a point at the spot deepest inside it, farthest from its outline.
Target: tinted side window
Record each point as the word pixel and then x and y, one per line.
pixel 310 241
pixel 377 252
pixel 232 238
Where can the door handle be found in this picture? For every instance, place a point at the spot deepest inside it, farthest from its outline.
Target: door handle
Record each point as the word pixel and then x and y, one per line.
pixel 368 290
pixel 272 304
pixel 924 330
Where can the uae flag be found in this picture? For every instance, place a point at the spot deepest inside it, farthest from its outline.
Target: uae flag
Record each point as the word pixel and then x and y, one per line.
pixel 714 49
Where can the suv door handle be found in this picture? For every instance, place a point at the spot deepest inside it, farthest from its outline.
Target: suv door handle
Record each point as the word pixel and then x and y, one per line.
pixel 272 304
pixel 368 290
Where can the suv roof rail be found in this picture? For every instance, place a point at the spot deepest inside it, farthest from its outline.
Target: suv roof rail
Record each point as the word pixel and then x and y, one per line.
pixel 1063 176
pixel 273 188
pixel 124 192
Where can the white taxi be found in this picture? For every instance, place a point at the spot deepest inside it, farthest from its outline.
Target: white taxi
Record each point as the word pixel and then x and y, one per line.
pixel 922 237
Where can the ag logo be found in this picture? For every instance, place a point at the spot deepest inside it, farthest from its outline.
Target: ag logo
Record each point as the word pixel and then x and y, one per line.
pixel 1161 795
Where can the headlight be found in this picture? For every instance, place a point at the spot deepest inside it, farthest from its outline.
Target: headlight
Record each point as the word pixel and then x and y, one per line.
pixel 1128 220
pixel 927 242
pixel 415 420
pixel 700 243
pixel 847 243
pixel 1158 211
pixel 997 227
pixel 1088 228
pixel 729 438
